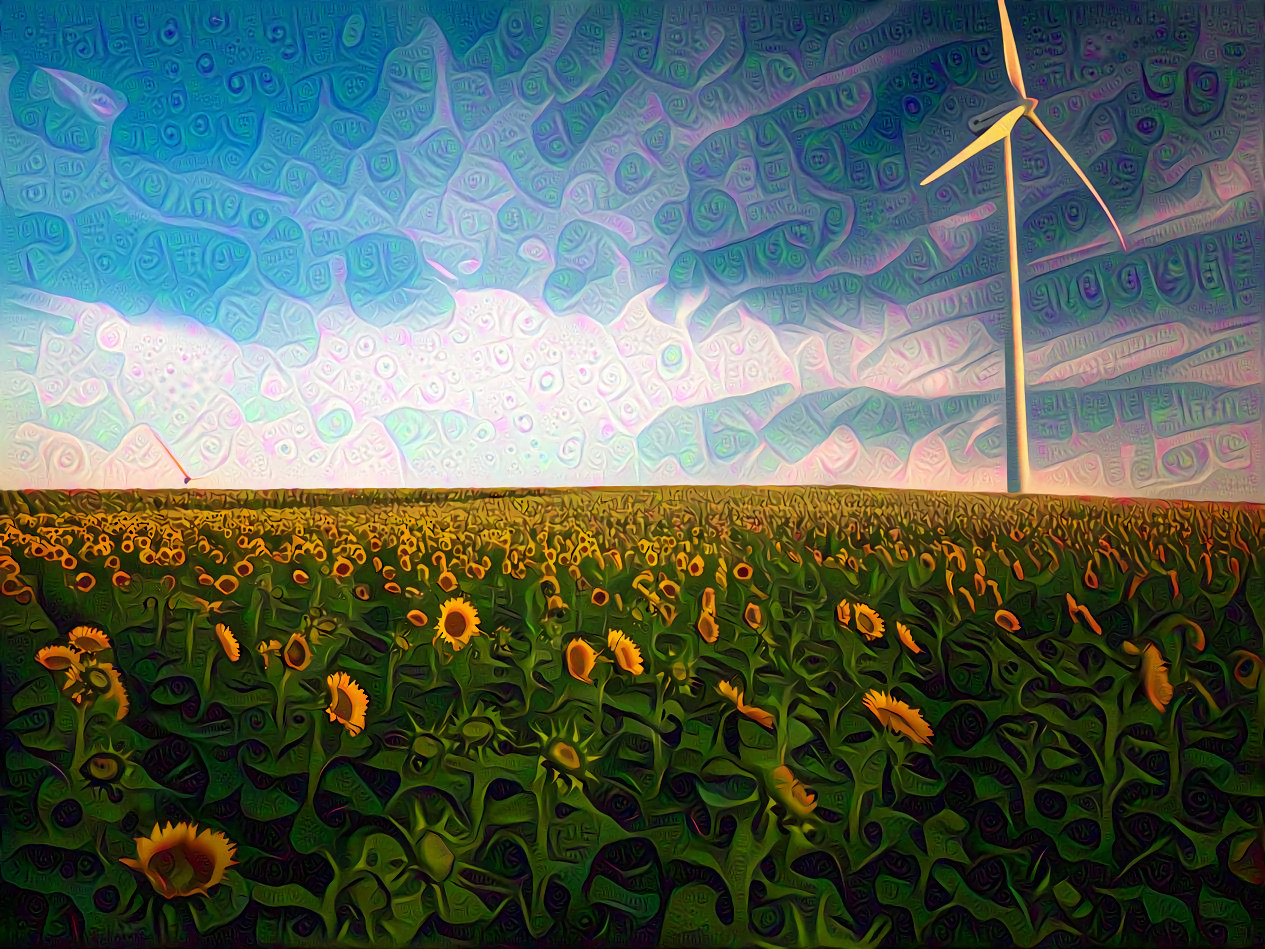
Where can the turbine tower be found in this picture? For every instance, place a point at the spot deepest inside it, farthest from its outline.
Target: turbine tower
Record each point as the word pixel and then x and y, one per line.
pixel 1018 476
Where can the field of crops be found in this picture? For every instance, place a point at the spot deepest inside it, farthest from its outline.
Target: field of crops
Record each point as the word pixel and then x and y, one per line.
pixel 774 717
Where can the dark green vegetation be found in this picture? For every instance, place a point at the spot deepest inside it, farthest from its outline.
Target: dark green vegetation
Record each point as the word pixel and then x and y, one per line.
pixel 835 718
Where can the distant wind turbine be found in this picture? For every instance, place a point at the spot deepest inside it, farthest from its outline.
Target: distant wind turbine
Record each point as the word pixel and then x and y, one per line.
pixel 1018 476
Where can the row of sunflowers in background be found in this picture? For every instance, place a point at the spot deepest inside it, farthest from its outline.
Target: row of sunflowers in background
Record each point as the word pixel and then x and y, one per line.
pixel 588 652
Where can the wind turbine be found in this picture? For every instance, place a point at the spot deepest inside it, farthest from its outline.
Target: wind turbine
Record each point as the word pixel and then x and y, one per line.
pixel 1018 476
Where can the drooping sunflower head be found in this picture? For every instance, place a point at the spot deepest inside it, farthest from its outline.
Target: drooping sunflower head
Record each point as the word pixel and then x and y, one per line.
pixel 869 623
pixel 179 861
pixel 348 702
pixel 458 623
pixel 88 639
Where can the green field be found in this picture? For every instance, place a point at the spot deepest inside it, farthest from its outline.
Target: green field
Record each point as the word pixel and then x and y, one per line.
pixel 776 717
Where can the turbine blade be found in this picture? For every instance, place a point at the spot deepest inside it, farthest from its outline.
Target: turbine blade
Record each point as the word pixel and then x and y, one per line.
pixel 1076 168
pixel 1011 50
pixel 999 130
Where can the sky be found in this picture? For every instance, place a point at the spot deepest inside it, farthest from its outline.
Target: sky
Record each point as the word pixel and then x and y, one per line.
pixel 396 244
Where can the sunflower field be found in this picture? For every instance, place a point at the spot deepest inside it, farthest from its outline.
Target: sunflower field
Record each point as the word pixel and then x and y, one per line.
pixel 652 717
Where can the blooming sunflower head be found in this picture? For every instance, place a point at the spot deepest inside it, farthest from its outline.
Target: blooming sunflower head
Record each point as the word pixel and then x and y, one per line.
pixel 869 623
pixel 179 861
pixel 228 642
pixel 297 654
pixel 88 639
pixel 580 660
pixel 348 702
pixel 627 653
pixel 458 623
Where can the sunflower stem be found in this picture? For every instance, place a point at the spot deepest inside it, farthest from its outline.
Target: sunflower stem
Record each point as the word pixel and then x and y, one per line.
pixel 281 700
pixel 188 640
pixel 80 714
pixel 206 676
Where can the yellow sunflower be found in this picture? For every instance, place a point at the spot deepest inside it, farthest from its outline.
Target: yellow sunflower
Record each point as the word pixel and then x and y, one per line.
pixel 297 653
pixel 179 861
pixel 580 660
pixel 869 623
pixel 348 702
pixel 229 642
pixel 86 639
pixel 791 792
pixel 458 623
pixel 626 652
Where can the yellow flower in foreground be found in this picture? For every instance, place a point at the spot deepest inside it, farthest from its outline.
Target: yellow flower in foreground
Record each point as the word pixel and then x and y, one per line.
pixel 898 716
pixel 348 702
pixel 88 639
pixel 626 652
pixel 179 861
pixel 869 623
pixel 580 660
pixel 791 793
pixel 458 623
pixel 229 642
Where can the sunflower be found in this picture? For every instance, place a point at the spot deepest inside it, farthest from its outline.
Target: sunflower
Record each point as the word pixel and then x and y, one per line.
pixel 416 617
pixel 297 653
pixel 907 638
pixel 580 660
pixel 1007 620
pixel 343 567
pixel 843 612
pixel 85 582
pixel 458 623
pixel 87 639
pixel 267 648
pixel 869 623
pixel 626 652
pixel 179 861
pixel 347 702
pixel 447 582
pixel 709 600
pixel 228 642
pixel 361 591
pixel 57 658
pixel 898 716
pixel 707 627
pixel 752 615
pixel 731 692
pixel 599 597
pixel 301 578
pixel 227 584
pixel 791 792
pixel 742 572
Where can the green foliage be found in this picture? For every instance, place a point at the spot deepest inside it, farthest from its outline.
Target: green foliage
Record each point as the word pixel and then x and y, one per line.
pixel 797 781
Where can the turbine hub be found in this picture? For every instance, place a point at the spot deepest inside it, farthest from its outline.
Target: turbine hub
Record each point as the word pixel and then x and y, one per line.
pixel 984 121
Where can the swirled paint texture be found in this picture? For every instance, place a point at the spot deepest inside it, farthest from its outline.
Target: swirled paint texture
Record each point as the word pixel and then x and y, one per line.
pixel 577 244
